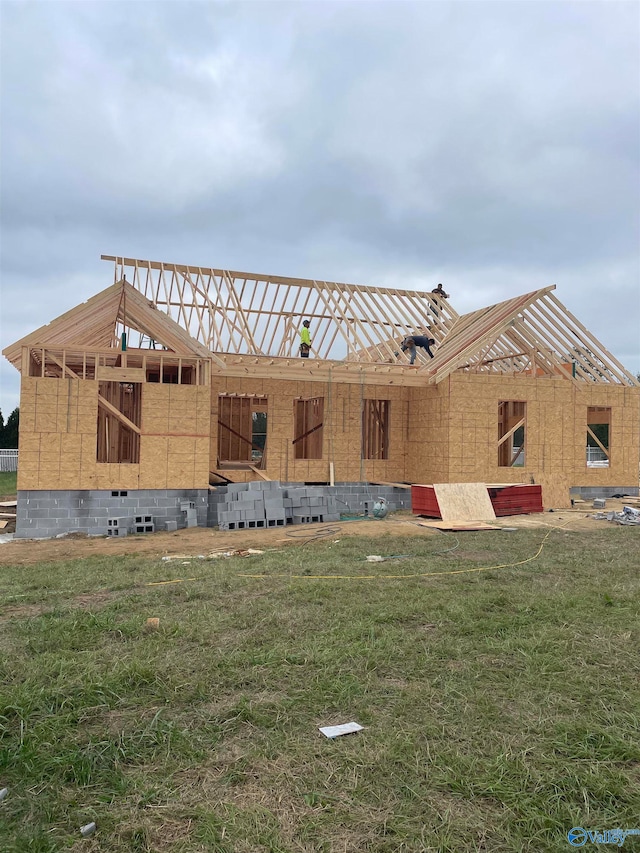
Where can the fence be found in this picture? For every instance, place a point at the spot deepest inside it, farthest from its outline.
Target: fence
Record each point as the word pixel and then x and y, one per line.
pixel 596 458
pixel 8 460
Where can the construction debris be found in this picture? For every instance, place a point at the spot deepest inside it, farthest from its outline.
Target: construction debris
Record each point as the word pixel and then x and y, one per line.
pixel 215 555
pixel 344 729
pixel 629 515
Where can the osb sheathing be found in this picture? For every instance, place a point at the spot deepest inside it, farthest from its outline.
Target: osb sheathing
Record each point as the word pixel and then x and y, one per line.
pixel 58 438
pixel 463 420
pixel 342 430
pixel 438 433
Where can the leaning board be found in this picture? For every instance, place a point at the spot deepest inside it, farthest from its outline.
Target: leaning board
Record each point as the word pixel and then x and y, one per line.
pixel 464 502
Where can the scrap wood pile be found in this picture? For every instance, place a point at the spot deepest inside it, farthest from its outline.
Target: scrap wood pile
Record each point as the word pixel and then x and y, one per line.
pixel 8 515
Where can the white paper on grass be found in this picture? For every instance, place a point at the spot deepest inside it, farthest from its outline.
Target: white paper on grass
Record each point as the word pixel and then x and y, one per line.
pixel 344 729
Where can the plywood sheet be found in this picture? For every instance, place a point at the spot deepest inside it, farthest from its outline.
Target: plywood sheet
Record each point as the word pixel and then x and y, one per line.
pixel 555 490
pixel 464 502
pixel 458 525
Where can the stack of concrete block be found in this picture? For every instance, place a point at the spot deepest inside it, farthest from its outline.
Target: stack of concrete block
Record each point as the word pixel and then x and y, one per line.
pixel 189 508
pixel 143 524
pixel 311 504
pixel 118 527
pixel 238 506
pixel 217 497
pixel 245 506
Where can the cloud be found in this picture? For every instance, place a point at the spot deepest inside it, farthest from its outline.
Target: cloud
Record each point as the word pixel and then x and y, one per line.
pixel 493 146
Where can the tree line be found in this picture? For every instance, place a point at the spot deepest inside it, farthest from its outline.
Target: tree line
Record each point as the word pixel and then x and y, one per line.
pixel 9 430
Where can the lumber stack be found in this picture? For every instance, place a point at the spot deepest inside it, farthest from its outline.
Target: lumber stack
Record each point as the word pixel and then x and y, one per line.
pixel 518 499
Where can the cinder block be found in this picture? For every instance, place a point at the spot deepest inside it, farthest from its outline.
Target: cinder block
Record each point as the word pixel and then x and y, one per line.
pixel 118 532
pixel 272 505
pixel 276 514
pixel 171 525
pixel 143 519
pixel 143 528
pixel 248 504
pixel 236 488
pixel 295 494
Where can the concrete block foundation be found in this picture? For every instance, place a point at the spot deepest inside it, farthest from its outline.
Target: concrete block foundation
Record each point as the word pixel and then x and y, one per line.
pixel 44 514
pixel 238 506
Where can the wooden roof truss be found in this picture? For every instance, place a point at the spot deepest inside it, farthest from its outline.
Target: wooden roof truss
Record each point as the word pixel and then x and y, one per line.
pixel 97 324
pixel 245 313
pixel 244 323
pixel 532 334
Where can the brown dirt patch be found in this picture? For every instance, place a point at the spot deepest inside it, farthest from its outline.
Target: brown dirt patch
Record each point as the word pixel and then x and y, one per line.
pixel 91 600
pixel 22 611
pixel 196 540
pixel 203 540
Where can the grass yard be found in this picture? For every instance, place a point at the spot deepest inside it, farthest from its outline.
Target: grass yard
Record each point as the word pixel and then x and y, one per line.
pixel 501 707
pixel 8 481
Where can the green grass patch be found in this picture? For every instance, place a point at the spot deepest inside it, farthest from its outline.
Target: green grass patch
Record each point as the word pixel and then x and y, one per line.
pixel 8 483
pixel 501 706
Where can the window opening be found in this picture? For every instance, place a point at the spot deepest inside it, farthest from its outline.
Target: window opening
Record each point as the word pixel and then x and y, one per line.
pixel 598 436
pixel 308 428
pixel 242 434
pixel 511 434
pixel 119 418
pixel 375 429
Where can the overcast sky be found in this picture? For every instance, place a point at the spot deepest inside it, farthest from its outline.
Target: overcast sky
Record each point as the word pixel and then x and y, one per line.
pixel 492 146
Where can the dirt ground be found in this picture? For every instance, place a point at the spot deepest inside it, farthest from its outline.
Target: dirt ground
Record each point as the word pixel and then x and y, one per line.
pixel 204 540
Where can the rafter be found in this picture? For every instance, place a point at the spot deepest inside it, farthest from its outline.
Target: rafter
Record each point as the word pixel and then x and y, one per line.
pixel 214 314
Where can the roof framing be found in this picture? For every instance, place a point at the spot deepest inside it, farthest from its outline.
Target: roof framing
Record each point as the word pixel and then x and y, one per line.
pixel 249 313
pixel 255 314
pixel 248 324
pixel 98 322
pixel 532 334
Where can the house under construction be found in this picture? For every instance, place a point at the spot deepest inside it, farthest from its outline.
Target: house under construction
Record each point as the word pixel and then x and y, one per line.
pixel 176 378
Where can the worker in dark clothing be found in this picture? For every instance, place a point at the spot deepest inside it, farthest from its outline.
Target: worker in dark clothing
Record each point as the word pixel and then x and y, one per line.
pixel 413 343
pixel 438 291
